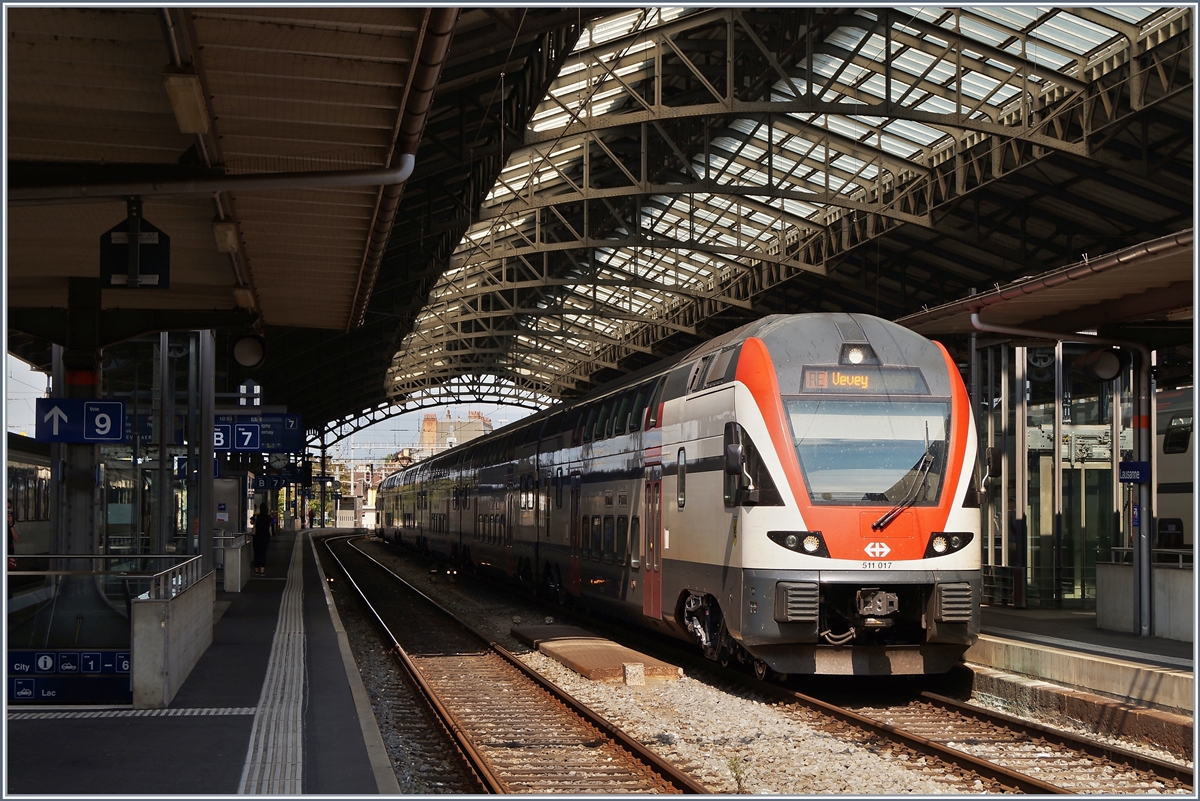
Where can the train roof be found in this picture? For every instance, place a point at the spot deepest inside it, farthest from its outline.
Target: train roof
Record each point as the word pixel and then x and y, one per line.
pixel 822 328
pixel 22 448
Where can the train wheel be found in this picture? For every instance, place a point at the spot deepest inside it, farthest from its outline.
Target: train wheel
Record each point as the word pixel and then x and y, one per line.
pixel 761 671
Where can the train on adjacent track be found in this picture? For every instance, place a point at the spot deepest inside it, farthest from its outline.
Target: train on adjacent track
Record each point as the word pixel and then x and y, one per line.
pixel 798 494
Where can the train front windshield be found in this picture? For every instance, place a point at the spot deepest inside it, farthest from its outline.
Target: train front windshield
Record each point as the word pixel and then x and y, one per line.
pixel 871 453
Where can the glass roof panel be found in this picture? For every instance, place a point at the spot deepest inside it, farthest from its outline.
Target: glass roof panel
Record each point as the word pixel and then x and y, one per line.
pixel 1130 13
pixel 810 153
pixel 1074 33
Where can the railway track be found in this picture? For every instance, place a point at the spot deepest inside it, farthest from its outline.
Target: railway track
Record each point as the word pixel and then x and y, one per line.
pixel 518 732
pixel 1036 758
pixel 967 748
pixel 1006 753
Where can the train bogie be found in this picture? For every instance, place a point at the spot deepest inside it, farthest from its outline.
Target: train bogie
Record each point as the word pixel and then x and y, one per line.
pixel 798 495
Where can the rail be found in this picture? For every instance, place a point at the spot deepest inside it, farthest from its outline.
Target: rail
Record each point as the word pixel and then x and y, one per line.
pixel 1165 557
pixel 474 734
pixel 153 576
pixel 222 542
pixel 168 583
pixel 1003 586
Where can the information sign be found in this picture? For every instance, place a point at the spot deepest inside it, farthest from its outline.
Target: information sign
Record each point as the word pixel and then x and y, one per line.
pixel 69 676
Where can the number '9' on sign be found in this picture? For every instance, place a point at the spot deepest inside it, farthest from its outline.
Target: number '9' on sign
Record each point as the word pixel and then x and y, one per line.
pixel 104 422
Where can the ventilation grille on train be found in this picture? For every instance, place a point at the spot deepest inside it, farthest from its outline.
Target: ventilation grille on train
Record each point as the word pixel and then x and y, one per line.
pixel 796 602
pixel 954 603
pixel 851 331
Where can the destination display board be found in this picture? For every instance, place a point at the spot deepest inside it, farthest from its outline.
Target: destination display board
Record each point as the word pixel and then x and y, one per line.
pixel 863 380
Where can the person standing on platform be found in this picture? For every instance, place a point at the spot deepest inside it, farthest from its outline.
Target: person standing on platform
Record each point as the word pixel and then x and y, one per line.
pixel 262 539
pixel 13 536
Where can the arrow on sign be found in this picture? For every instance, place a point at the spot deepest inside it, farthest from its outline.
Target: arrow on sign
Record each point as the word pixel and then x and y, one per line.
pixel 56 414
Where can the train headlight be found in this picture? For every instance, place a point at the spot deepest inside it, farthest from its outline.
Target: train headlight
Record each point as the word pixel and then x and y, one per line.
pixel 857 354
pixel 947 542
pixel 809 543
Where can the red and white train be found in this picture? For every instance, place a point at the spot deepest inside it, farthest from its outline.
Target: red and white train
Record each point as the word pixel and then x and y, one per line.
pixel 798 493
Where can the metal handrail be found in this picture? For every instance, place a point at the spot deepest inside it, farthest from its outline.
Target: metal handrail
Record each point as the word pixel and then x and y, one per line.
pixel 1178 557
pixel 164 584
pixel 174 580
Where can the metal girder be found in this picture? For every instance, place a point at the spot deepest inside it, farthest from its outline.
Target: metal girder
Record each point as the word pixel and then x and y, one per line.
pixel 118 325
pixel 689 170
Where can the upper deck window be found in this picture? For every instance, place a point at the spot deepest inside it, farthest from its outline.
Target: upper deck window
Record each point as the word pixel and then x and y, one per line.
pixel 1178 435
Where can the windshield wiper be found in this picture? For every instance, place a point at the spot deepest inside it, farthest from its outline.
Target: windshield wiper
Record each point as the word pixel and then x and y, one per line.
pixel 922 471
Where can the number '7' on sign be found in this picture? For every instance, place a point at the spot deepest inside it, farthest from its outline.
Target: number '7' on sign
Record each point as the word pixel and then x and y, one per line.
pixel 246 436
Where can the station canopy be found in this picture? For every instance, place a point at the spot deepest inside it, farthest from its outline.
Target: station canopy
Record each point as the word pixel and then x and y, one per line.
pixel 690 169
pixel 592 189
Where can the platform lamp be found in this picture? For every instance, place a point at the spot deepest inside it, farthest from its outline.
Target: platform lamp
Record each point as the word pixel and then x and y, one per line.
pixel 187 101
pixel 250 350
pixel 1103 364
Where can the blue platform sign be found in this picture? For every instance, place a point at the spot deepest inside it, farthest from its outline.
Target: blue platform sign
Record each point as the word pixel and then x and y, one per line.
pixel 69 676
pixel 1135 472
pixel 80 420
pixel 271 481
pixel 262 433
pixel 247 437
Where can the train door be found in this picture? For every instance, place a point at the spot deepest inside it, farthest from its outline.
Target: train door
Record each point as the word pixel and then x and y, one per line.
pixel 573 567
pixel 536 493
pixel 652 573
pixel 506 531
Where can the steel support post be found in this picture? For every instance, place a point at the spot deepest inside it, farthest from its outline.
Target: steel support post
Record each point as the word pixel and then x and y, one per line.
pixel 323 474
pixel 208 506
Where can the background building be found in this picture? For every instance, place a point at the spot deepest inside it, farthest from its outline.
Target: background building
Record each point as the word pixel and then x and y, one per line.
pixel 440 434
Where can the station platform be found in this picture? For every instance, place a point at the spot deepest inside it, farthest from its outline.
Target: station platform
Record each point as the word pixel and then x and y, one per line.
pixel 1075 630
pixel 1055 665
pixel 275 705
